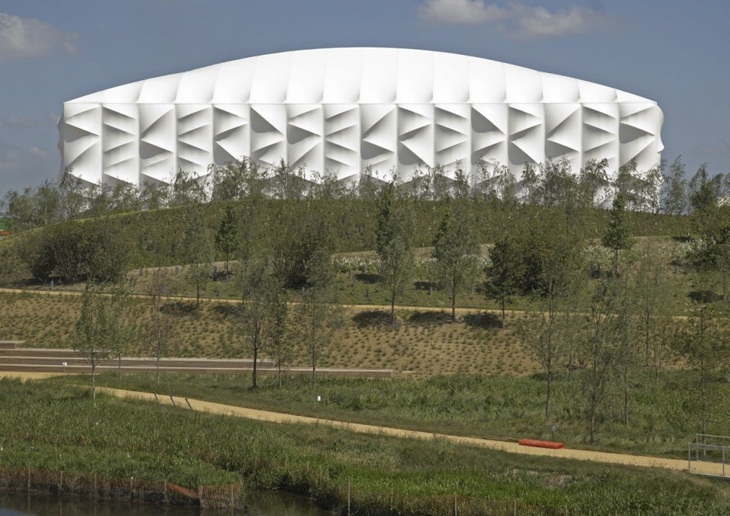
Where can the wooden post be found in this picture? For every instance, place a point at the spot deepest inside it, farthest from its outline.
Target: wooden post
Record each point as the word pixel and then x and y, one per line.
pixel 60 483
pixel 28 478
pixel 348 497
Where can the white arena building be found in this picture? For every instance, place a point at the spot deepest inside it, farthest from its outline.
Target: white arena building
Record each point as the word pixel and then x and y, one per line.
pixel 340 110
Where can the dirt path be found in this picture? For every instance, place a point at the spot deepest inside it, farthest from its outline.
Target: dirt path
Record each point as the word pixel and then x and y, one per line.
pixel 704 468
pixel 359 308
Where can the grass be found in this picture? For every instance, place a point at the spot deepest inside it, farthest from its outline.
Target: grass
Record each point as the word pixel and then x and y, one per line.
pixel 663 413
pixel 425 343
pixel 49 426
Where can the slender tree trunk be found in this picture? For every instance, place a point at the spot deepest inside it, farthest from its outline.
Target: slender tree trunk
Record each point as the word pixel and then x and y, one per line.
pixel 93 377
pixel 314 366
pixel 197 297
pixel 549 395
pixel 626 396
pixel 453 304
pixel 549 371
pixel 255 360
pixel 392 307
pixel 503 309
pixel 593 423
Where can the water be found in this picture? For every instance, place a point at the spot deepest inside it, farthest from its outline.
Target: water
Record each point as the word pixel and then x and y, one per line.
pixel 258 504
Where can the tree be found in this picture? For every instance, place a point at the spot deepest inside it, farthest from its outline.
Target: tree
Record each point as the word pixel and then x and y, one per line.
pixel 126 197
pixel 716 253
pixel 675 188
pixel 552 254
pixel 609 324
pixel 186 189
pixel 96 250
pixel 504 271
pixel 593 183
pixel 703 340
pixel 530 183
pixel 652 294
pixel 553 273
pixel 154 195
pixel 549 337
pixel 74 196
pixel 100 331
pixel 319 312
pixel 704 191
pixel 704 198
pixel 280 342
pixel 257 292
pixel 197 247
pixel 393 243
pixel 226 238
pixel 558 186
pixel 228 182
pixel 627 184
pixel 456 251
pixel 159 327
pixel 20 210
pixel 618 234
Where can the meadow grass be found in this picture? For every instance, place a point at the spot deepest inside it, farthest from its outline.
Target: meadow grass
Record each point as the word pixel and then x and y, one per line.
pixel 663 416
pixel 54 427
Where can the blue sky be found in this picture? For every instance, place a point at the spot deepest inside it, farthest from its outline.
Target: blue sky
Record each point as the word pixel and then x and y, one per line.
pixel 673 51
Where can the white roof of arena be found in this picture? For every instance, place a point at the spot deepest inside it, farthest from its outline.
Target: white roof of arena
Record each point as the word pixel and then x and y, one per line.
pixel 361 76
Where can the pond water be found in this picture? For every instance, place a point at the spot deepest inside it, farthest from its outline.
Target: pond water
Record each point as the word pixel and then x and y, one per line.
pixel 257 504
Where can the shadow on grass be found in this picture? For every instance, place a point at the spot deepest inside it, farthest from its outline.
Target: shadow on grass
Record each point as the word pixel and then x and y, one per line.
pixel 484 320
pixel 227 310
pixel 367 278
pixel 372 318
pixel 704 296
pixel 179 308
pixel 430 317
pixel 424 285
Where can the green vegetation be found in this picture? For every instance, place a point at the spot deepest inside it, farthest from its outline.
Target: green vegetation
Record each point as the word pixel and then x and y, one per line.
pixel 619 331
pixel 663 419
pixel 49 426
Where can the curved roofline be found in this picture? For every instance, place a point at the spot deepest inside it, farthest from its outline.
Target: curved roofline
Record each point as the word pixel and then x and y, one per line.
pixel 362 75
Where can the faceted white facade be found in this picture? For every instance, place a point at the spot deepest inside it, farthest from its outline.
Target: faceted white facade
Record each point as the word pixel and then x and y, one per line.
pixel 338 111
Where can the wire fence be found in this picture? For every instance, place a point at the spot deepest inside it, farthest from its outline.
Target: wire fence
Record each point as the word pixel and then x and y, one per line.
pixel 67 483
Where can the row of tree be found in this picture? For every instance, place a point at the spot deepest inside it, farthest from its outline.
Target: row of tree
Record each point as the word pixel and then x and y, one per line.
pixel 613 327
pixel 665 188
pixel 605 326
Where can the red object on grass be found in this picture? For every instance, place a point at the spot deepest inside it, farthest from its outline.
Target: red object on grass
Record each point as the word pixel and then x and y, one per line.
pixel 541 444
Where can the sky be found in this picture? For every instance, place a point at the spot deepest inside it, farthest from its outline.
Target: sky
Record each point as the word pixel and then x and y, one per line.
pixel 675 52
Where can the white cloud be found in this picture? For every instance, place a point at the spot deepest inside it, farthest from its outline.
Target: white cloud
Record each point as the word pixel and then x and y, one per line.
pixel 460 11
pixel 516 20
pixel 22 38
